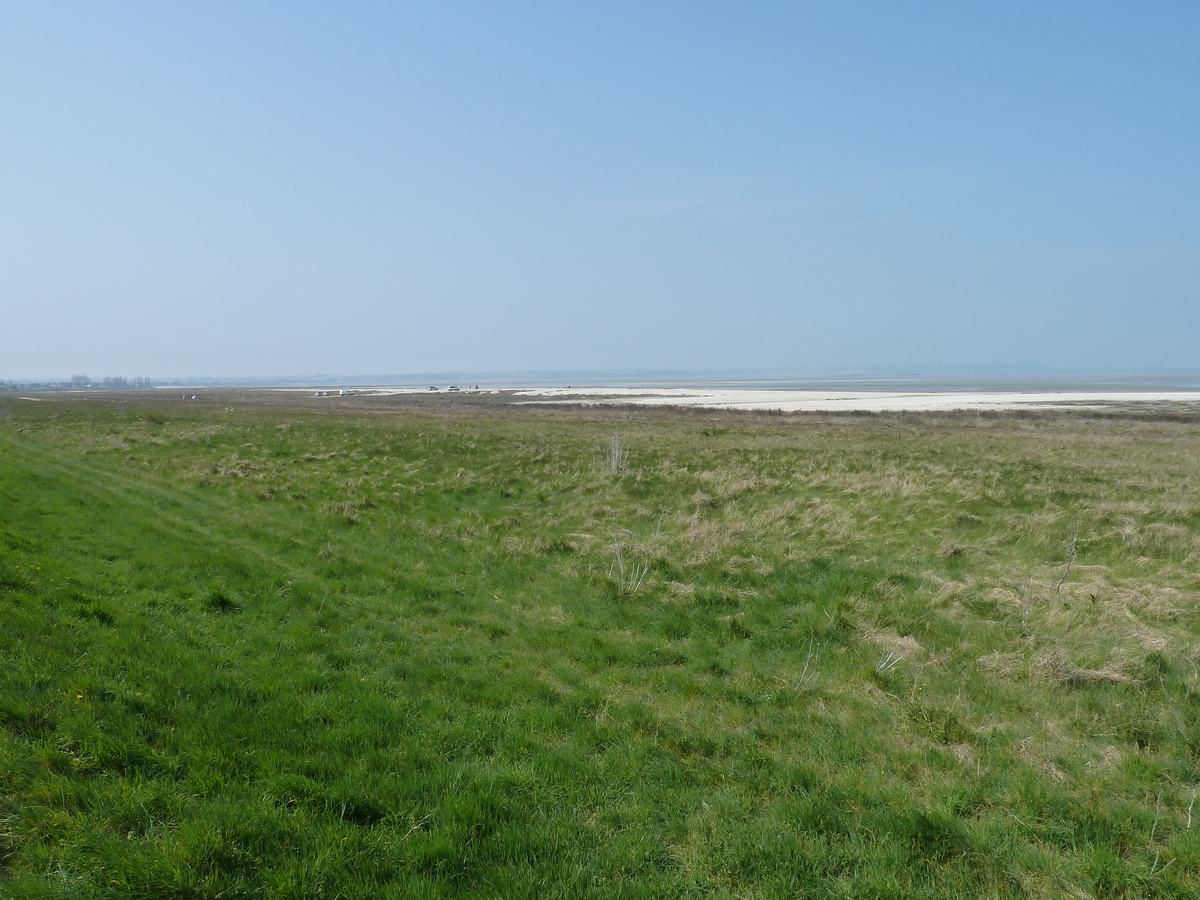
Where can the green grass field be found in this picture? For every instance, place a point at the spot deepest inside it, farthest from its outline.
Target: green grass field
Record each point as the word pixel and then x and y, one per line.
pixel 257 649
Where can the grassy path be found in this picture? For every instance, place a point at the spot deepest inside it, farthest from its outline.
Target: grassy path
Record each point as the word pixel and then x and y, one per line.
pixel 172 511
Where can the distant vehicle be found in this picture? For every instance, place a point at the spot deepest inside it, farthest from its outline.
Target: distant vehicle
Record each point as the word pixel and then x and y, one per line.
pixel 453 387
pixel 433 387
pixel 346 393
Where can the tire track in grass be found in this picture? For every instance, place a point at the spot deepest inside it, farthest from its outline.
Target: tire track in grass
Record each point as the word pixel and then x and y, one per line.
pixel 150 493
pixel 104 484
pixel 219 521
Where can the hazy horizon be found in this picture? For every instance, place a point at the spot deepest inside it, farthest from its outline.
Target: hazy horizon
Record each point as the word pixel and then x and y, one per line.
pixel 864 379
pixel 244 191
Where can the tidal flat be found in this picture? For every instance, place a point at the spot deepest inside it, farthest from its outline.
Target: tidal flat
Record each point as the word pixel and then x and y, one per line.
pixel 266 646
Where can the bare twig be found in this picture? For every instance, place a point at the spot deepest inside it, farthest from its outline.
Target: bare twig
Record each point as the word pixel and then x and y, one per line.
pixel 618 455
pixel 888 662
pixel 1157 810
pixel 1070 557
pixel 807 660
pixel 424 821
pixel 1154 870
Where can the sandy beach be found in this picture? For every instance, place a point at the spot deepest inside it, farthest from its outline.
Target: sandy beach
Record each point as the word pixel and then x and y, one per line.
pixel 868 401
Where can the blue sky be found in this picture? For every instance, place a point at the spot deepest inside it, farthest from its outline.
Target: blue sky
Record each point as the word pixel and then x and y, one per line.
pixel 351 188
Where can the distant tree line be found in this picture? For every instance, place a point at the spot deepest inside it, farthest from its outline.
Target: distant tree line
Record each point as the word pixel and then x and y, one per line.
pixel 80 383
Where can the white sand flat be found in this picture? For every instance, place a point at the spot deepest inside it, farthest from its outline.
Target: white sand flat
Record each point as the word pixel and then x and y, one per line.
pixel 845 401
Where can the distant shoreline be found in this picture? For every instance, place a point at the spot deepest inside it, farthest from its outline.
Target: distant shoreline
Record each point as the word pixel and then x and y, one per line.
pixel 1167 394
pixel 829 400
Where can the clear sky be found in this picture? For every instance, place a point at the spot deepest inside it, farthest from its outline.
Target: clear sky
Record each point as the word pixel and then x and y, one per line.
pixel 263 188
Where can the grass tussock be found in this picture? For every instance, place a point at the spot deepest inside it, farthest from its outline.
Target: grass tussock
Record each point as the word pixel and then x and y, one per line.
pixel 468 650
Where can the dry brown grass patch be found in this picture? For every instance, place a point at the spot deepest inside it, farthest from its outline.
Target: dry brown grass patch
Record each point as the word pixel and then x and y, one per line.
pixel 707 540
pixel 905 646
pixel 1056 667
pixel 1009 666
pixel 752 564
